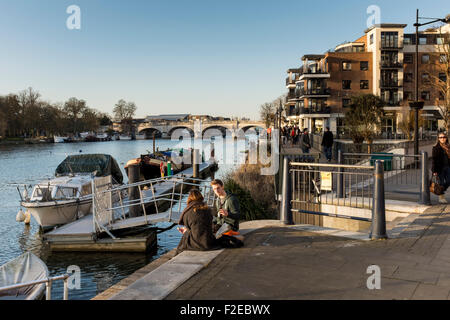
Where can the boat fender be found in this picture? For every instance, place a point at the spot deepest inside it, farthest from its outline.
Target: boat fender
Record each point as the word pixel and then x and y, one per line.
pixel 27 217
pixel 20 217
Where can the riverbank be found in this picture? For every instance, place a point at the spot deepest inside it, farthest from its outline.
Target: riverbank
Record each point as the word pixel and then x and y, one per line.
pixel 19 141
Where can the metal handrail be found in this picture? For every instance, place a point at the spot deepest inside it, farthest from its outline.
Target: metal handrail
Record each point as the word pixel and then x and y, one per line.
pixel 382 154
pixel 345 166
pixel 48 283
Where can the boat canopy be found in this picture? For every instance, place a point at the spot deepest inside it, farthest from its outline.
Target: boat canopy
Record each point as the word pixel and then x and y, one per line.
pixel 102 164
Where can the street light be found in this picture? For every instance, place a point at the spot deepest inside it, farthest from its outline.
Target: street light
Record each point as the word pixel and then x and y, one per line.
pixel 417 105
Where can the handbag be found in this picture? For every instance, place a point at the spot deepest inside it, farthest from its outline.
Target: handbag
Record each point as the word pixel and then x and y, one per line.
pixel 436 187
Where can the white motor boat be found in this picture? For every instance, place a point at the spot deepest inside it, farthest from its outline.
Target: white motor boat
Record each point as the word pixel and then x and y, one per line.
pixel 59 139
pixel 22 270
pixel 140 137
pixel 124 138
pixel 68 196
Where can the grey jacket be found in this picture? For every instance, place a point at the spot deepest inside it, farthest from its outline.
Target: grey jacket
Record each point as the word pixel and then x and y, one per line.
pixel 230 204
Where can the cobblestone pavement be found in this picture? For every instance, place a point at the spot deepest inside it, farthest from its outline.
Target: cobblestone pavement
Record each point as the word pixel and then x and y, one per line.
pixel 285 263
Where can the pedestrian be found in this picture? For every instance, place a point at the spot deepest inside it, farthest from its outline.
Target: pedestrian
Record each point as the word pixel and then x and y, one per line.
pixel 440 165
pixel 196 225
pixel 306 144
pixel 327 144
pixel 226 222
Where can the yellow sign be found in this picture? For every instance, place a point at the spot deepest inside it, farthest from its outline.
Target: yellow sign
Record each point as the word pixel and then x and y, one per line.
pixel 326 181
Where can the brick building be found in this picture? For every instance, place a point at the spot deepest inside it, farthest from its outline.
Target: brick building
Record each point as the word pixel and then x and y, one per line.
pixel 380 62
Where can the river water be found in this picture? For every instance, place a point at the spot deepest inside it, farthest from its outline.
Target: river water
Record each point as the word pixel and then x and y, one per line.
pixel 29 164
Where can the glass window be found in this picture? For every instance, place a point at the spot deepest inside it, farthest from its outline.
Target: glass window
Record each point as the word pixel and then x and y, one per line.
pixel 407 95
pixel 425 95
pixel 364 65
pixel 409 58
pixel 422 40
pixel 66 192
pixel 40 191
pixel 425 77
pixel 364 84
pixel 439 40
pixel 346 65
pixel 407 40
pixel 443 58
pixel 408 77
pixel 346 84
pixel 425 58
pixel 441 96
pixel 86 190
pixel 346 102
pixel 442 77
pixel 371 39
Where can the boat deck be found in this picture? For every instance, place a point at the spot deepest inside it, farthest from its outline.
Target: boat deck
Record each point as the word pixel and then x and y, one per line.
pixel 82 230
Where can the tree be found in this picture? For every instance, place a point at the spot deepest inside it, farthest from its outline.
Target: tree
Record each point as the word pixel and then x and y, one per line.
pixel 28 110
pixel 124 113
pixel 74 110
pixel 363 118
pixel 407 122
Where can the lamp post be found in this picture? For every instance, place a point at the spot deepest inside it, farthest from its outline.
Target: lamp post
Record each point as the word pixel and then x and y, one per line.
pixel 416 105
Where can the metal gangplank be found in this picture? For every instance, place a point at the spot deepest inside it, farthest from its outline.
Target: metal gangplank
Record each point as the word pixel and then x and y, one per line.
pixel 114 208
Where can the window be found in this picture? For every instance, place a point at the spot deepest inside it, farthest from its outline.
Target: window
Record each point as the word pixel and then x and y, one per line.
pixel 407 40
pixel 346 84
pixel 409 59
pixel 441 96
pixel 439 40
pixel 371 38
pixel 425 58
pixel 425 95
pixel 425 77
pixel 422 40
pixel 346 102
pixel 442 77
pixel 407 95
pixel 66 192
pixel 389 39
pixel 408 77
pixel 346 66
pixel 364 84
pixel 364 65
pixel 443 58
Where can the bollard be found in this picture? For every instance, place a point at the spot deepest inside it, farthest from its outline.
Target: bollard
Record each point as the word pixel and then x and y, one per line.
pixel 134 171
pixel 195 163
pixel 212 151
pixel 378 230
pixel 340 181
pixel 424 190
pixel 286 213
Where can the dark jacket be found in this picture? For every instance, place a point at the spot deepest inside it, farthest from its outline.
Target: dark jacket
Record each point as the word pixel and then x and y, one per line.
pixel 439 159
pixel 327 140
pixel 197 218
pixel 306 143
pixel 230 204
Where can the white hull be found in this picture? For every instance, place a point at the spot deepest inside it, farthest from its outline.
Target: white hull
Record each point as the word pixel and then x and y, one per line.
pixel 124 138
pixel 140 137
pixel 59 139
pixel 54 213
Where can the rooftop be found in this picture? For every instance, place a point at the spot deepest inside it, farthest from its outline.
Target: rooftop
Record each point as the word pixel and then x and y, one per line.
pixel 386 25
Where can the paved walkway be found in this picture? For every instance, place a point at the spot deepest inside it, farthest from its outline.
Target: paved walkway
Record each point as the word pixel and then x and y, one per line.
pixel 292 263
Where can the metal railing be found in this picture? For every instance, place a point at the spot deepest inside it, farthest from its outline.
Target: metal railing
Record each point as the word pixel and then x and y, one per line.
pixel 312 188
pixel 144 199
pixel 48 283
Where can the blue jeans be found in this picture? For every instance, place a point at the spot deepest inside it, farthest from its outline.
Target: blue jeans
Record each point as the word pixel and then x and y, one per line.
pixel 305 150
pixel 328 152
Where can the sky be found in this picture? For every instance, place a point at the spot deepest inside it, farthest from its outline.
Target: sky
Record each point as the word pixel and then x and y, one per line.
pixel 223 58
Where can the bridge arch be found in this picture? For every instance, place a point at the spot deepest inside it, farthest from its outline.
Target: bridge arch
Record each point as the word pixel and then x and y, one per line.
pixel 180 131
pixel 258 128
pixel 213 131
pixel 150 131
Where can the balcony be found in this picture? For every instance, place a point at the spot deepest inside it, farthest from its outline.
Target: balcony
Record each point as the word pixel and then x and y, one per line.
pixel 391 46
pixel 312 73
pixel 290 96
pixel 290 81
pixel 391 65
pixel 391 84
pixel 392 102
pixel 315 110
pixel 313 92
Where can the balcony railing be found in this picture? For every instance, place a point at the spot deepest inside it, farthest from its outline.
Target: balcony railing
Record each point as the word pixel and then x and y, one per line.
pixel 315 110
pixel 392 102
pixel 312 92
pixel 391 84
pixel 312 71
pixel 391 64
pixel 290 81
pixel 389 45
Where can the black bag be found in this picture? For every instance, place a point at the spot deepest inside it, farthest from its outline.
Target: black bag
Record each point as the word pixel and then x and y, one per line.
pixel 229 242
pixel 436 187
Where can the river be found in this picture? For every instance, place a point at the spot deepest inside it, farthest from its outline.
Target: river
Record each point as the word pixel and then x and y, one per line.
pixel 29 164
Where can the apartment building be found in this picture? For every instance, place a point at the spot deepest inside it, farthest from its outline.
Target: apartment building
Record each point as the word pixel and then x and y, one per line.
pixel 380 63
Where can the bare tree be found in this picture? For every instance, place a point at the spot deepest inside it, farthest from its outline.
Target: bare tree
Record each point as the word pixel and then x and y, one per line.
pixel 124 112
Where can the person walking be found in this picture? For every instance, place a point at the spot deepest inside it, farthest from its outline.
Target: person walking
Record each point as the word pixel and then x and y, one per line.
pixel 440 165
pixel 306 144
pixel 327 144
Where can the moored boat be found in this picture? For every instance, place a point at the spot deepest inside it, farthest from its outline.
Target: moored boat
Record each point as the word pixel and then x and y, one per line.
pixel 59 139
pixel 22 270
pixel 68 196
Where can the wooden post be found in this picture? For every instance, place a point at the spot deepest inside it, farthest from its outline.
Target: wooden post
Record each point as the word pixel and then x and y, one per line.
pixel 196 163
pixel 133 192
pixel 154 134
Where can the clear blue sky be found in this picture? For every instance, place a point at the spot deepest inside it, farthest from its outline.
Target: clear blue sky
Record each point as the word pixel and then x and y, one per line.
pixel 199 56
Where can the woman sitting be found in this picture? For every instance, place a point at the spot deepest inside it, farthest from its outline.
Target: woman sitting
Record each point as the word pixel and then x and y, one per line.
pixel 196 225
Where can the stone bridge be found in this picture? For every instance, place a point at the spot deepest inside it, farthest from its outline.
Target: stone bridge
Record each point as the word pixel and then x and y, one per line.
pixel 198 128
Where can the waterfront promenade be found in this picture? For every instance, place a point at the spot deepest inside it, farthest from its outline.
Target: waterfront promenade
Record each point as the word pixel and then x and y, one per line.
pixel 307 262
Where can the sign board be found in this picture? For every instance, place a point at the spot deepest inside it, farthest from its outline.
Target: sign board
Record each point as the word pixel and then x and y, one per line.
pixel 326 181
